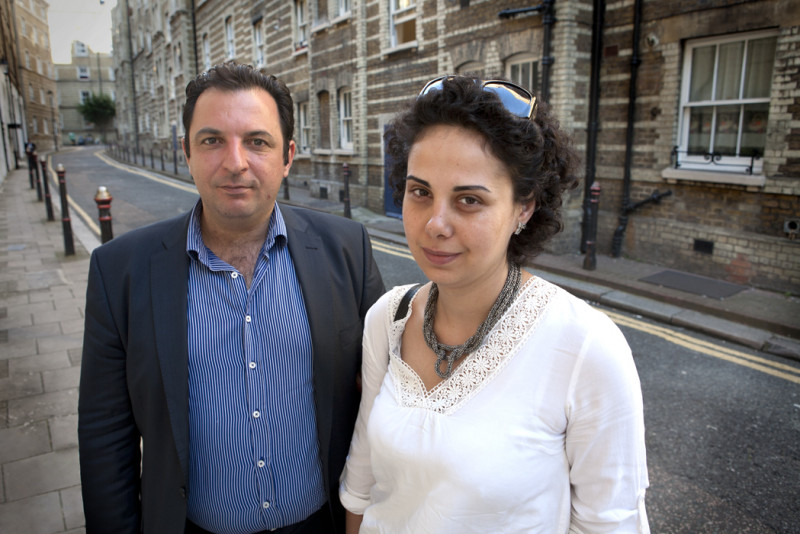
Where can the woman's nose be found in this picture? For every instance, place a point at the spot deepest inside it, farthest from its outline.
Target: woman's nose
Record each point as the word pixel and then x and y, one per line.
pixel 439 223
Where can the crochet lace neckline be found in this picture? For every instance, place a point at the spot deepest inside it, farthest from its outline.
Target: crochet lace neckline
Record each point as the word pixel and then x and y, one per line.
pixel 479 368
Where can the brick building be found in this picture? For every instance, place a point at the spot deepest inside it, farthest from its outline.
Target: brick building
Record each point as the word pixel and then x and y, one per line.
pixel 710 121
pixel 87 73
pixel 37 82
pixel 11 106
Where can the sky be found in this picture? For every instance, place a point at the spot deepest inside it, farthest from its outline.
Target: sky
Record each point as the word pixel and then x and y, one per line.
pixel 79 20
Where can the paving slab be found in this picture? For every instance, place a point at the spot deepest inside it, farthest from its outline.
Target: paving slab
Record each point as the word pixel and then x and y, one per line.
pixel 61 379
pixel 22 441
pixel 42 407
pixel 72 505
pixel 40 514
pixel 20 386
pixel 41 474
pixel 39 362
pixel 64 431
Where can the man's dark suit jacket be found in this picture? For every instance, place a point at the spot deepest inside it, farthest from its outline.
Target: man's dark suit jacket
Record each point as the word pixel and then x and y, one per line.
pixel 134 377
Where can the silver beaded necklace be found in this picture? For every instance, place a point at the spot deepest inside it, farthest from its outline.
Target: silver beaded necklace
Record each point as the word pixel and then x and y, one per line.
pixel 450 353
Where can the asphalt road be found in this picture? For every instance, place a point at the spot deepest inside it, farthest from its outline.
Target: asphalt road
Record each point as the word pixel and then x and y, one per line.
pixel 723 434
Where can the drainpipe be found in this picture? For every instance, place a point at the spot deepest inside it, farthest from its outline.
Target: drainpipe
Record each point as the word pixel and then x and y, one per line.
pixel 547 8
pixel 616 245
pixel 194 40
pixel 592 125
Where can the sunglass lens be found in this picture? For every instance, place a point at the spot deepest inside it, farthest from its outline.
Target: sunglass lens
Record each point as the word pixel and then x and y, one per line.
pixel 516 102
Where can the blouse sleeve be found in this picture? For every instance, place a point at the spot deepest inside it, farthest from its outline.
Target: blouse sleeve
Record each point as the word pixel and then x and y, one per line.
pixel 605 435
pixel 357 479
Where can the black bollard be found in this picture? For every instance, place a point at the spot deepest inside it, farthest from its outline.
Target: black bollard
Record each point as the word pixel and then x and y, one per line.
pixel 103 199
pixel 590 259
pixel 152 165
pixel 37 177
pixel 66 224
pixel 346 199
pixel 31 170
pixel 286 188
pixel 48 202
pixel 175 160
pixel 161 155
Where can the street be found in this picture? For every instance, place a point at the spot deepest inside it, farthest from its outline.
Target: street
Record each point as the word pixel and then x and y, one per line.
pixel 723 421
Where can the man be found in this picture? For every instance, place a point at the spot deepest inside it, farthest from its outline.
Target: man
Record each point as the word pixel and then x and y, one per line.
pixel 228 340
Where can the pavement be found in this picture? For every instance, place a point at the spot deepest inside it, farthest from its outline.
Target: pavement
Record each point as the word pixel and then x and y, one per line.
pixel 42 298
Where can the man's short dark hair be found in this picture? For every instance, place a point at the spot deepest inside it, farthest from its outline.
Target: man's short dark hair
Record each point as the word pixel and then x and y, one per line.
pixel 233 77
pixel 537 153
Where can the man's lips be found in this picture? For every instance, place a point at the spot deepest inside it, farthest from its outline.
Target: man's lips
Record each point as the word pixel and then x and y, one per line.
pixel 439 257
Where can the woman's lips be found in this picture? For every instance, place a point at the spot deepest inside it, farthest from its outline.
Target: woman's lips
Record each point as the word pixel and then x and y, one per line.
pixel 438 257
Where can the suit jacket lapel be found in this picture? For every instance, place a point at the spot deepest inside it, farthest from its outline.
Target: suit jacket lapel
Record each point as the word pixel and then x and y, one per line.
pixel 305 248
pixel 169 275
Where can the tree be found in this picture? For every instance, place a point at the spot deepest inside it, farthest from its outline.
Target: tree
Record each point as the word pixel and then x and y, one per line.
pixel 99 110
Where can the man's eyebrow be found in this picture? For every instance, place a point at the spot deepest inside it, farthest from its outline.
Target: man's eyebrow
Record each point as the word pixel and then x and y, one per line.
pixel 457 188
pixel 213 131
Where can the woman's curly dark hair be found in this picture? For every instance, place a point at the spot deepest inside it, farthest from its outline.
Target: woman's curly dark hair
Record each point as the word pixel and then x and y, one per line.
pixel 538 154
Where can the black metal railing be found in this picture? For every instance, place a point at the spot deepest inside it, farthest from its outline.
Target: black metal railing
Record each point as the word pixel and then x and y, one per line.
pixel 712 158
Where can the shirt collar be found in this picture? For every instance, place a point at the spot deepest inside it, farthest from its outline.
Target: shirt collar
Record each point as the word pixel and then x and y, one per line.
pixel 197 249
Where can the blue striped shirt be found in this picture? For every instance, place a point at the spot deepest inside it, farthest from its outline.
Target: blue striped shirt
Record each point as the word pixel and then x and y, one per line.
pixel 254 457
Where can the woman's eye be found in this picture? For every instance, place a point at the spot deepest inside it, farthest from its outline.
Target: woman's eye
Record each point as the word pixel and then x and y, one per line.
pixel 470 201
pixel 418 192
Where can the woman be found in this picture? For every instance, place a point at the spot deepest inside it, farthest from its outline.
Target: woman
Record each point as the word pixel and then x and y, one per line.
pixel 497 402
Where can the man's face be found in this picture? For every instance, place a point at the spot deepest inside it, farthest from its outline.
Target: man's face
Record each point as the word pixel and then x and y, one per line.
pixel 237 157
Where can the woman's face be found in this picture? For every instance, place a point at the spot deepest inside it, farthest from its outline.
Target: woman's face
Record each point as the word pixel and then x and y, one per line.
pixel 458 209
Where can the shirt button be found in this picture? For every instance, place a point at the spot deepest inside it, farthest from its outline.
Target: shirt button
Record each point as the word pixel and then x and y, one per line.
pixel 256 414
pixel 266 504
pixel 234 275
pixel 261 463
pixel 252 365
pixel 247 318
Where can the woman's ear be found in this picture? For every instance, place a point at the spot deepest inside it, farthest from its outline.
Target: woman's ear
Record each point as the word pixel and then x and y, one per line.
pixel 528 207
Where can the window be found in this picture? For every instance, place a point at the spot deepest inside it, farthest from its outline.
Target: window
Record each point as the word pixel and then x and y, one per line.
pixel 31 94
pixel 403 22
pixel 345 118
pixel 27 60
pixel 83 73
pixel 523 70
pixel 301 20
pixel 178 58
pixel 83 96
pixel 45 129
pixel 230 47
pixel 343 7
pixel 111 73
pixel 471 68
pixel 305 128
pixel 258 44
pixel 206 52
pixel 41 95
pixel 725 102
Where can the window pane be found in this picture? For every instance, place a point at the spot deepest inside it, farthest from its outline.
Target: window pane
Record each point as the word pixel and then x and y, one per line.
pixel 406 31
pixel 702 73
pixel 758 76
pixel 727 130
pixel 700 130
pixel 754 129
pixel 729 73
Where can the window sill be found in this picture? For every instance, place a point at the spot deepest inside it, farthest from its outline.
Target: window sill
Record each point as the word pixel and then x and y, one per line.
pixel 344 17
pixel 401 48
pixel 749 180
pixel 300 51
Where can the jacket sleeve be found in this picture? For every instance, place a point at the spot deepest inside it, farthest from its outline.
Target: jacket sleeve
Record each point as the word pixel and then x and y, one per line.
pixel 108 437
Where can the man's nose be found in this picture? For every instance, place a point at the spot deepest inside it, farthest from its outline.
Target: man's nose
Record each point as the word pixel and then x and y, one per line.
pixel 236 157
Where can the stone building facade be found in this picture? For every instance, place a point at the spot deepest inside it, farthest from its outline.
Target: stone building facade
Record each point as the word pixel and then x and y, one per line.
pixel 87 73
pixel 12 115
pixel 710 121
pixel 37 82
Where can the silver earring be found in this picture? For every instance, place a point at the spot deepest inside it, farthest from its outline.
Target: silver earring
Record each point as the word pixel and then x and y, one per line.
pixel 520 228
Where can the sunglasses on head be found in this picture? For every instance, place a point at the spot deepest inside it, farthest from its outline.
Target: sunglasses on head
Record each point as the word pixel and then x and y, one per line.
pixel 517 100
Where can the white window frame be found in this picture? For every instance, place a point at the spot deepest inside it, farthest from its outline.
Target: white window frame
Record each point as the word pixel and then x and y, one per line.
pixel 230 38
pixel 515 66
pixel 83 95
pixel 305 128
pixel 83 73
pixel 343 8
pixel 301 16
pixel 713 161
pixel 258 43
pixel 345 114
pixel 206 51
pixel 402 12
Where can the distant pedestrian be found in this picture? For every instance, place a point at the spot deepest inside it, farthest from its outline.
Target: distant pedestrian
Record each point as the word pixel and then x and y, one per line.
pixel 227 340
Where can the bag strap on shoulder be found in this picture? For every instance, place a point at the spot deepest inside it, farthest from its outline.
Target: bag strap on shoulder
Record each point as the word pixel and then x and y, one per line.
pixel 402 308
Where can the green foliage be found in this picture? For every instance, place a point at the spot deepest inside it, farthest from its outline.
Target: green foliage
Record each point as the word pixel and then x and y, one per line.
pixel 98 109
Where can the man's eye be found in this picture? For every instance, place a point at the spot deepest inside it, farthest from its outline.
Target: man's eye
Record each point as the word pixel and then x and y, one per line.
pixel 209 141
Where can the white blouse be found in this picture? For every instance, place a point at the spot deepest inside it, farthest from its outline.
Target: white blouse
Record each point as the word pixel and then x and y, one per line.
pixel 539 430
